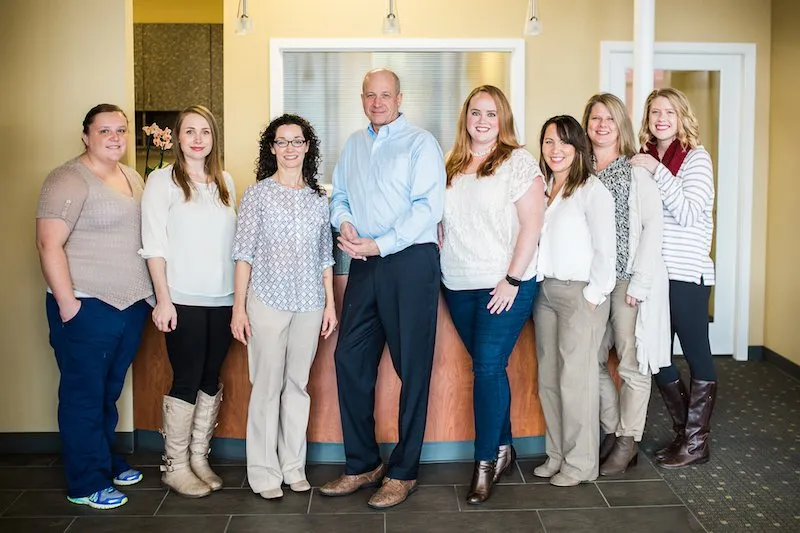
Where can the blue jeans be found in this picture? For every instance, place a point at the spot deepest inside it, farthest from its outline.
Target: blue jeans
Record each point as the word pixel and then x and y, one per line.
pixel 489 339
pixel 94 350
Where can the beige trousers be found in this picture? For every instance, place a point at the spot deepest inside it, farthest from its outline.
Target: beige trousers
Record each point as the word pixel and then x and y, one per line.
pixel 624 412
pixel 568 335
pixel 279 353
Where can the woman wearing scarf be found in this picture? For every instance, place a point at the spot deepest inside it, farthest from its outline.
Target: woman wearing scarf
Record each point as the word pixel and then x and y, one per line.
pixel 683 172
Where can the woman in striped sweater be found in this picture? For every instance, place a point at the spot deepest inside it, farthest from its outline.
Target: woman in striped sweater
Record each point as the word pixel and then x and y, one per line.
pixel 683 172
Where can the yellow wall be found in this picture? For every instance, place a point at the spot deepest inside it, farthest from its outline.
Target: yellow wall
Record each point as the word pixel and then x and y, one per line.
pixel 178 11
pixel 562 64
pixel 55 65
pixel 781 331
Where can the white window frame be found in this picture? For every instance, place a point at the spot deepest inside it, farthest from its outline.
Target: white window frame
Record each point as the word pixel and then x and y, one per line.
pixel 516 47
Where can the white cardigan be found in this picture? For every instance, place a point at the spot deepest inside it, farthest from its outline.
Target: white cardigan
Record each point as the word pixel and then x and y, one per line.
pixel 649 282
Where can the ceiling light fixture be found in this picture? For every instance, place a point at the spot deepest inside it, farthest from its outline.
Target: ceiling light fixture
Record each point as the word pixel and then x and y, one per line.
pixel 533 26
pixel 244 24
pixel 391 24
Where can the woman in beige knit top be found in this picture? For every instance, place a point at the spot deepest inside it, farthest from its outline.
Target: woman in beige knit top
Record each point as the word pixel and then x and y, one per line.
pixel 88 234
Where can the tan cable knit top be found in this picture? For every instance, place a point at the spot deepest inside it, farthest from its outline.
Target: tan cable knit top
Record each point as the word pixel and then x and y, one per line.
pixel 105 232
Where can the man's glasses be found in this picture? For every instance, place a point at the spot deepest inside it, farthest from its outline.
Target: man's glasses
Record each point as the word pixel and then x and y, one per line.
pixel 283 143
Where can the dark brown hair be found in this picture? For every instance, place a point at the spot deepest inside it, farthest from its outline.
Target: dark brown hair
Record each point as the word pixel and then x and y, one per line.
pixel 96 110
pixel 459 157
pixel 213 165
pixel 267 163
pixel 569 131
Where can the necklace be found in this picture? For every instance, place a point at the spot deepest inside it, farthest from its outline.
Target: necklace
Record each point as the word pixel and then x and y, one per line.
pixel 481 154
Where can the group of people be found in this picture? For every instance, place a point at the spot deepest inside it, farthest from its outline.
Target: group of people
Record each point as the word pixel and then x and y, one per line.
pixel 616 244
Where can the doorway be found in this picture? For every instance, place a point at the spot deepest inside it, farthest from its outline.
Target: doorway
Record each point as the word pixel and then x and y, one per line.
pixel 719 79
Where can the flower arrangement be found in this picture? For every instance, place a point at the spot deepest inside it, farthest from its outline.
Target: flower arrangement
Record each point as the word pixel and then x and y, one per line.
pixel 160 140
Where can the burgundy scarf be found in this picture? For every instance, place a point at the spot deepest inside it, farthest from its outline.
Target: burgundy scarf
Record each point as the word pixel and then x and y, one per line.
pixel 673 157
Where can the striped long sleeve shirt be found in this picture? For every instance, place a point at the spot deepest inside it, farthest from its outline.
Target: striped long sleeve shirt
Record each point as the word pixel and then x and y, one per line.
pixel 688 201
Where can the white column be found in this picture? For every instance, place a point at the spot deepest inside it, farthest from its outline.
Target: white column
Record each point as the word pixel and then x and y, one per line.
pixel 644 37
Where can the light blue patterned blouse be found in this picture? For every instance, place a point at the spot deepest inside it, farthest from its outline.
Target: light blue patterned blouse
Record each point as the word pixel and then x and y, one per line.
pixel 285 236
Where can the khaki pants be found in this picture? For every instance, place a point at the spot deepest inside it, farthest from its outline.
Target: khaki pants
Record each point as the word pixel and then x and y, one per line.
pixel 622 413
pixel 568 335
pixel 279 353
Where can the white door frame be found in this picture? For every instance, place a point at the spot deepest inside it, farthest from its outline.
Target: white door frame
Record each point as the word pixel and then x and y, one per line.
pixel 746 55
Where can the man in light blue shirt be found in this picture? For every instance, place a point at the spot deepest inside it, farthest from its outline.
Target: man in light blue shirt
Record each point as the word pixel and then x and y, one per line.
pixel 388 193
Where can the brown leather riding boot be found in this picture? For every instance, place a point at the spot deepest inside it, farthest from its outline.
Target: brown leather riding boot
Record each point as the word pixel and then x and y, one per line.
pixel 677 401
pixel 506 458
pixel 624 454
pixel 695 448
pixel 481 487
pixel 606 446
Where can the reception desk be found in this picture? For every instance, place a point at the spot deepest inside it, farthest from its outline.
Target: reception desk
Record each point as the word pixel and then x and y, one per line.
pixel 450 428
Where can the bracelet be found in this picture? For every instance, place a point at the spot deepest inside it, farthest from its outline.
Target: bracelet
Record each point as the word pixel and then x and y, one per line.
pixel 514 282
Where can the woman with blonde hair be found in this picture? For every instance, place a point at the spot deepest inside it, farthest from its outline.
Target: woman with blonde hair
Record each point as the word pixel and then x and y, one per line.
pixel 638 325
pixel 493 212
pixel 683 173
pixel 188 223
pixel 577 254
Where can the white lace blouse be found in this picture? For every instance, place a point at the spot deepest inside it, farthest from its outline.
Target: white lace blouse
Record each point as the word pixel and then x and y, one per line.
pixel 481 225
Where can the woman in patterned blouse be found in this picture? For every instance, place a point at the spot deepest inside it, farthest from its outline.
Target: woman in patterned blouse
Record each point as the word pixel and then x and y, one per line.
pixel 638 325
pixel 283 298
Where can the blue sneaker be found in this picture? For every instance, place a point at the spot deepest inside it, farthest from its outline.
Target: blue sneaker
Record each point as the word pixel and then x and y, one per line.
pixel 128 477
pixel 109 498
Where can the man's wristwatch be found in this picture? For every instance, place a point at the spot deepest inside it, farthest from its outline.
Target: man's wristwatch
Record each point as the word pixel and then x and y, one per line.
pixel 514 282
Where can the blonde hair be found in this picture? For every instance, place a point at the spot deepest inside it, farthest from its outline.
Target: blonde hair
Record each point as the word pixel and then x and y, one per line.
pixel 626 142
pixel 688 127
pixel 213 165
pixel 460 157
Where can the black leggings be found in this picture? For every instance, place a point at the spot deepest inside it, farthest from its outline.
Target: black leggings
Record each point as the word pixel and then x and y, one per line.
pixel 688 311
pixel 197 349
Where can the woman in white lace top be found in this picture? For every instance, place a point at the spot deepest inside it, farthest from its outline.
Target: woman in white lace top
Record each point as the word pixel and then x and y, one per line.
pixel 283 299
pixel 493 210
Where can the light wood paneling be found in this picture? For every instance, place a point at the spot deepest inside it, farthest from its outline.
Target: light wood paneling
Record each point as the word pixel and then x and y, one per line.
pixel 449 407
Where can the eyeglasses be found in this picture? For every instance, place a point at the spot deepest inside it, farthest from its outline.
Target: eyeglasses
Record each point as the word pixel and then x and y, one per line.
pixel 283 143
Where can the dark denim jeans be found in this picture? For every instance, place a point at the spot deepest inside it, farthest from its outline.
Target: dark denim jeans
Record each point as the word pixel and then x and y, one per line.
pixel 94 350
pixel 489 339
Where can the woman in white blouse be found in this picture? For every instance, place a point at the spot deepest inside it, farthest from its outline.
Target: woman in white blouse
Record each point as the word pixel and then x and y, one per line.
pixel 493 210
pixel 577 257
pixel 188 223
pixel 283 299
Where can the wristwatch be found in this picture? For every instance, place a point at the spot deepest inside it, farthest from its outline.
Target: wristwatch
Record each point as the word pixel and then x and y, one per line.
pixel 514 282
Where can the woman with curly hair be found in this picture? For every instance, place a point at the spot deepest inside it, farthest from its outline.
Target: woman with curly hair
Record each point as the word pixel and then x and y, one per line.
pixel 283 299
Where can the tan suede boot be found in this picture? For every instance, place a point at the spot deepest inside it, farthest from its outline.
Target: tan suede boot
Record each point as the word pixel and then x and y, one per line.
pixel 176 429
pixel 205 421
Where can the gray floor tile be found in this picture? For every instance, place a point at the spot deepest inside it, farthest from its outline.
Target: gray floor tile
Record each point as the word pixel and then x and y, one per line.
pixel 30 478
pixel 428 498
pixel 644 470
pixel 651 520
pixel 234 501
pixel 541 496
pixel 320 474
pixel 54 503
pixel 351 523
pixel 484 522
pixel 28 459
pixel 6 497
pixel 624 493
pixel 527 465
pixel 151 524
pixel 456 474
pixel 34 525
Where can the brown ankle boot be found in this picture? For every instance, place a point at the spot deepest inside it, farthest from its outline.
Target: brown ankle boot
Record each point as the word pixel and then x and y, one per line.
pixel 606 446
pixel 624 454
pixel 677 401
pixel 506 458
pixel 695 448
pixel 481 487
